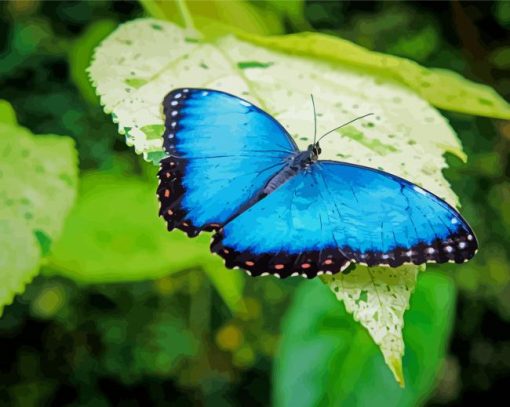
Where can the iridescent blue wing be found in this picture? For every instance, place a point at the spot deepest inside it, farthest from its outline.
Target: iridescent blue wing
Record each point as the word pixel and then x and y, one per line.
pixel 222 151
pixel 333 213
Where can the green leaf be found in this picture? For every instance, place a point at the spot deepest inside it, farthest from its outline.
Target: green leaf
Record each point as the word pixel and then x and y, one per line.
pixel 238 13
pixel 326 359
pixel 113 234
pixel 7 113
pixel 38 177
pixel 442 88
pixel 406 136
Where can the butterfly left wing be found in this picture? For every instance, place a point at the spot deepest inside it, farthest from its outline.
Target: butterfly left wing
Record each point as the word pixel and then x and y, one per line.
pixel 333 213
pixel 222 151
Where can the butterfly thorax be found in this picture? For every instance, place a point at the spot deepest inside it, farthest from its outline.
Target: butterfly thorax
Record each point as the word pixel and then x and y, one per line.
pixel 300 161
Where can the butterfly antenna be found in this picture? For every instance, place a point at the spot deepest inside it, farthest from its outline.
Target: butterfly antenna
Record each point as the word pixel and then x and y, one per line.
pixel 343 125
pixel 314 120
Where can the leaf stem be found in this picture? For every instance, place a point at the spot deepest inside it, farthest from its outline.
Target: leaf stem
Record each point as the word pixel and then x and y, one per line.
pixel 189 25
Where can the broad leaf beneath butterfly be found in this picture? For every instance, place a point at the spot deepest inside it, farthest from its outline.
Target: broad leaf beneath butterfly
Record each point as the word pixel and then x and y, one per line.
pixel 136 66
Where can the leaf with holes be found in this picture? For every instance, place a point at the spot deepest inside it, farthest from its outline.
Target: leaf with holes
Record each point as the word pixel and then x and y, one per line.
pixel 38 185
pixel 132 71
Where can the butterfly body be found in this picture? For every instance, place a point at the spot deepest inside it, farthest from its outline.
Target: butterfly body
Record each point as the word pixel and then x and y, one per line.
pixel 298 162
pixel 234 170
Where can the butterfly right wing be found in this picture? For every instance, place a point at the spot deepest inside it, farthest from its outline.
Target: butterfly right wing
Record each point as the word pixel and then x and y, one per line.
pixel 222 152
pixel 334 213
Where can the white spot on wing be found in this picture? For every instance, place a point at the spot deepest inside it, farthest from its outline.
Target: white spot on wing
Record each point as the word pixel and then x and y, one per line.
pixel 419 190
pixel 244 103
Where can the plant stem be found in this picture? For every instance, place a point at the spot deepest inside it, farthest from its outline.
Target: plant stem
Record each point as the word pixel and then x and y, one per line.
pixel 186 16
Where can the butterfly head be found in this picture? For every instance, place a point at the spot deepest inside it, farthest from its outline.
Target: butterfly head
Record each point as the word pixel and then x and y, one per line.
pixel 314 150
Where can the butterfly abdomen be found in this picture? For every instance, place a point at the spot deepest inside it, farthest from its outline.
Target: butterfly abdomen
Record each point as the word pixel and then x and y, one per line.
pixel 279 179
pixel 296 163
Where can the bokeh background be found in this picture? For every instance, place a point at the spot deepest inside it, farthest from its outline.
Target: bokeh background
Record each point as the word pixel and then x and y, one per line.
pixel 172 340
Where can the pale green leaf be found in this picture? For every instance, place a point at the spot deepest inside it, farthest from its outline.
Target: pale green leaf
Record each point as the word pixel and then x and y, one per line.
pixel 19 258
pixel 404 126
pixel 406 136
pixel 38 177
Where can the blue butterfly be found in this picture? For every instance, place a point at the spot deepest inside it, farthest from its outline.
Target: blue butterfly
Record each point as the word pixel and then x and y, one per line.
pixel 233 169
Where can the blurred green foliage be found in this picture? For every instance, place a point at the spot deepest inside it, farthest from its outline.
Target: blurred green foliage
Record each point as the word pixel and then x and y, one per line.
pixel 67 342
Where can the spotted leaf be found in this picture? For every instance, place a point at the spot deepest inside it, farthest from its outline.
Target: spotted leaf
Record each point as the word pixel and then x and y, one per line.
pixel 38 177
